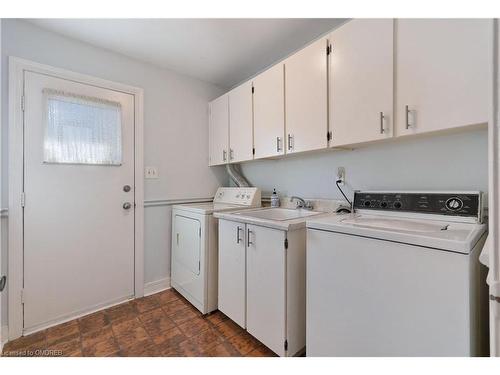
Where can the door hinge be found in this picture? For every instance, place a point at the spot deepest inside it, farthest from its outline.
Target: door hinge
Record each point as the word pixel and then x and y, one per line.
pixel 286 345
pixel 22 295
pixel 328 49
pixel 253 151
pixel 199 265
pixel 199 231
pixel 22 103
pixel 23 199
pixel 329 135
pixel 253 89
pixel 3 282
pixel 286 243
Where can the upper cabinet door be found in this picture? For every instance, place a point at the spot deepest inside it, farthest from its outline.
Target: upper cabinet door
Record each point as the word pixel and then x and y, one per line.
pixel 219 130
pixel 240 123
pixel 442 73
pixel 269 112
pixel 361 81
pixel 306 98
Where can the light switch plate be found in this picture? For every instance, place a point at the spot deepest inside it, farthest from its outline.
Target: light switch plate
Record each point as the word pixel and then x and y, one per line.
pixel 151 172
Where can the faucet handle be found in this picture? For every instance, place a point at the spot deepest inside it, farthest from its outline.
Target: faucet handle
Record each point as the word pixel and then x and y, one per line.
pixel 308 205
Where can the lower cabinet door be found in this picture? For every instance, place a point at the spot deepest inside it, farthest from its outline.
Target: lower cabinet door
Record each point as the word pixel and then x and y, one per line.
pixel 232 271
pixel 266 294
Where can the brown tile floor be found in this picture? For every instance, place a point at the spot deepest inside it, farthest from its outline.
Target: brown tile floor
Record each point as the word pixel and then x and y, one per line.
pixel 163 324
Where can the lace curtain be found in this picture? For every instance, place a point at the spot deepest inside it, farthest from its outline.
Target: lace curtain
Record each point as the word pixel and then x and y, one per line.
pixel 81 129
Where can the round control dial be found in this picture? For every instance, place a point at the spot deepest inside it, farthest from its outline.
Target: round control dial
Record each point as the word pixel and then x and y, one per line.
pixel 397 204
pixel 454 204
pixel 367 203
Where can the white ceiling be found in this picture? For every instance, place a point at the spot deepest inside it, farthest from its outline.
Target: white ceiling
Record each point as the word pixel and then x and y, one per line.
pixel 220 51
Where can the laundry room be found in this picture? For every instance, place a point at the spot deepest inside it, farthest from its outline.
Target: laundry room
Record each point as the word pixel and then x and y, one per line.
pixel 292 186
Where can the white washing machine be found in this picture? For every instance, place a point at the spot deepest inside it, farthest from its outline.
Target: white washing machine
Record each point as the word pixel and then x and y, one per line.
pixel 194 244
pixel 398 277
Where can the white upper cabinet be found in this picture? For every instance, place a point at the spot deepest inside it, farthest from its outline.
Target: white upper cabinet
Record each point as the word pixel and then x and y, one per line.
pixel 219 130
pixel 240 123
pixel 269 112
pixel 361 81
pixel 306 98
pixel 442 73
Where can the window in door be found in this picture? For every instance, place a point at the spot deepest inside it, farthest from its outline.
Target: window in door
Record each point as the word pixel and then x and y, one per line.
pixel 81 129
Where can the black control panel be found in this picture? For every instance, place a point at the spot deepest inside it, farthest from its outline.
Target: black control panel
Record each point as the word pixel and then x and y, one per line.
pixel 430 203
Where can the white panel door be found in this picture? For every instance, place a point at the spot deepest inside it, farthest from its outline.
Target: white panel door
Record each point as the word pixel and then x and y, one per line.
pixel 78 229
pixel 269 112
pixel 306 86
pixel 219 130
pixel 361 81
pixel 442 73
pixel 232 271
pixel 266 294
pixel 241 123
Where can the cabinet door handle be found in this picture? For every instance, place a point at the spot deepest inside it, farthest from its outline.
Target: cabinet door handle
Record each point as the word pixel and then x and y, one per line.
pixel 224 155
pixel 248 238
pixel 382 118
pixel 290 142
pixel 231 154
pixel 278 144
pixel 238 239
pixel 407 116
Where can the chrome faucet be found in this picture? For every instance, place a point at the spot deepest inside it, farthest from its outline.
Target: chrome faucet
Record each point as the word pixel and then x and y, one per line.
pixel 301 203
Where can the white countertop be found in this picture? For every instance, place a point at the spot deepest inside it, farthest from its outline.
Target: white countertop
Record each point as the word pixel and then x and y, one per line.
pixel 287 225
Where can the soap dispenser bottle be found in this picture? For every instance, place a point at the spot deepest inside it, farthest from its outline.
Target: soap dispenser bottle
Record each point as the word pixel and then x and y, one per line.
pixel 275 200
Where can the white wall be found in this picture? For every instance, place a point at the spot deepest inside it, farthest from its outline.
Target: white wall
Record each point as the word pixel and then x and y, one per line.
pixel 446 162
pixel 176 125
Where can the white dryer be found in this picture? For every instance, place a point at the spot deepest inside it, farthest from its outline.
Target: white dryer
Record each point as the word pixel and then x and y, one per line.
pixel 398 277
pixel 195 244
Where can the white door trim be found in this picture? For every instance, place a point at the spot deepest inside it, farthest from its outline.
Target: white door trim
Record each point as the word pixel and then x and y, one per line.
pixel 17 67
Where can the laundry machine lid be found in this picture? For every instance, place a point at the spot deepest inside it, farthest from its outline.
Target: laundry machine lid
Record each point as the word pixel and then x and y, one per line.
pixel 444 235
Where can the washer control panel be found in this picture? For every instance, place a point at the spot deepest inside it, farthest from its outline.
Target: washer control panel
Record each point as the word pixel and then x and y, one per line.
pixel 455 204
pixel 244 196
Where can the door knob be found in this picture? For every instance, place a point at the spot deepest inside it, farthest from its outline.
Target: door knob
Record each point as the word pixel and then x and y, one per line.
pixel 126 188
pixel 127 205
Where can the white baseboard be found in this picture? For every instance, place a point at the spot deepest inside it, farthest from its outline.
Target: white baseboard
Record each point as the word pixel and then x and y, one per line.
pixel 156 286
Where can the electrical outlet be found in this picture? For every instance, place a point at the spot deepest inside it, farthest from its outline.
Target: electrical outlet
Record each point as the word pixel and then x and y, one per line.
pixel 341 175
pixel 151 172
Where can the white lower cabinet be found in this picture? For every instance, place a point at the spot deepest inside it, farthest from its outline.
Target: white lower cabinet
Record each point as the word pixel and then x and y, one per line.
pixel 232 271
pixel 266 286
pixel 262 283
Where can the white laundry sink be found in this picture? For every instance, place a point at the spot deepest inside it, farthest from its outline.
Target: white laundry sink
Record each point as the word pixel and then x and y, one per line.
pixel 279 214
pixel 395 224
